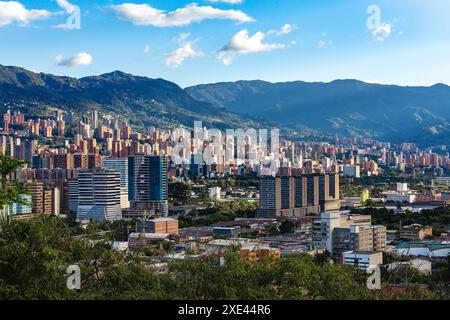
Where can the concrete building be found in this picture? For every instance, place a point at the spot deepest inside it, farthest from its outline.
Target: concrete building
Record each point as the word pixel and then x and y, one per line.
pixel 359 238
pixel 36 190
pixel 415 232
pixel 364 260
pixel 72 197
pixel 120 165
pixel 163 225
pixel 402 194
pixel 289 196
pixel 339 232
pixel 99 195
pixel 351 171
pixel 323 230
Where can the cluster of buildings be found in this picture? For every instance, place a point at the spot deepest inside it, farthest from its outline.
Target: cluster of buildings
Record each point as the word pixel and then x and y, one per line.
pixel 100 168
pixel 347 236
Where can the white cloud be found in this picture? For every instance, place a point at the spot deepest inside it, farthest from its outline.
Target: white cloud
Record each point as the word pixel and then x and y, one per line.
pixel 382 32
pixel 14 11
pixel 145 15
pixel 73 11
pixel 285 29
pixel 147 49
pixel 185 51
pixel 242 43
pixel 324 43
pixel 227 1
pixel 80 59
pixel 67 6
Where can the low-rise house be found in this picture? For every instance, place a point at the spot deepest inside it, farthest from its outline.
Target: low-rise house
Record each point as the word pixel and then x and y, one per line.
pixel 364 260
pixel 415 232
pixel 423 266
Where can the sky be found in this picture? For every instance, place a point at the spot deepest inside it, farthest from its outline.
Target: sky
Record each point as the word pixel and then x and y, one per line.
pixel 404 42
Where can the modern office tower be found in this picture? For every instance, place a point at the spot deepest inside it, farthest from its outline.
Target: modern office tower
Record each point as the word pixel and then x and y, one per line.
pixel 340 232
pixel 298 195
pixel 134 163
pixel 99 195
pixel 121 166
pixel 150 179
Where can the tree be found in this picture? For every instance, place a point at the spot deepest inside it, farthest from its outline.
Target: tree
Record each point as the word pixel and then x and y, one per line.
pixel 11 190
pixel 180 193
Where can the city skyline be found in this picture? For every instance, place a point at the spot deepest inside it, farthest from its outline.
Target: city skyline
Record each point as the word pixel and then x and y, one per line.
pixel 172 39
pixel 137 163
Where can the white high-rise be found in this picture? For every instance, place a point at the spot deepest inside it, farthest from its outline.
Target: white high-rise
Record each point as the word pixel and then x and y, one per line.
pixel 121 166
pixel 99 195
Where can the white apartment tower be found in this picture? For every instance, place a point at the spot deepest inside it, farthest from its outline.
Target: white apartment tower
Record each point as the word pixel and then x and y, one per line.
pixel 99 195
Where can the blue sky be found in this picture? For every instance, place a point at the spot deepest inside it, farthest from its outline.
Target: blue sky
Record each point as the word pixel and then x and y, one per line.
pixel 282 40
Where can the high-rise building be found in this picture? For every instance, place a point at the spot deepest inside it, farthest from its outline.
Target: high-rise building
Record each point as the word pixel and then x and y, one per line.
pixel 121 166
pixel 150 180
pixel 99 195
pixel 94 119
pixel 134 163
pixel 351 171
pixel 44 200
pixel 80 161
pixel 47 197
pixel 72 190
pixel 298 195
pixel 36 190
pixel 63 161
pixel 94 161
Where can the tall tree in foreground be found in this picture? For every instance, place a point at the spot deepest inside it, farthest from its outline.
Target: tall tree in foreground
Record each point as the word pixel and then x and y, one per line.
pixel 11 189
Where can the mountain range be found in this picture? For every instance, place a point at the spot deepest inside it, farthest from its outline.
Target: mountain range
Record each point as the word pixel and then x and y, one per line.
pixel 142 100
pixel 346 107
pixel 349 107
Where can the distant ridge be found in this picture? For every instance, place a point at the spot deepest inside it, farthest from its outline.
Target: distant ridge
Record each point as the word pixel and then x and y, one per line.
pixel 142 100
pixel 350 107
